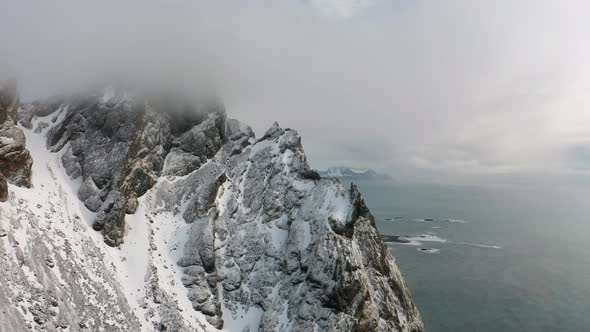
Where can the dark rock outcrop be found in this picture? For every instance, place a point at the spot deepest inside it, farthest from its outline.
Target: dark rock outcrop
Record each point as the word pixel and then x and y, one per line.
pixel 3 188
pixel 120 146
pixel 15 159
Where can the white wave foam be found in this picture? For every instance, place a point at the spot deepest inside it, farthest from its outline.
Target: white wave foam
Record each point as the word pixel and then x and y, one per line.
pixel 478 245
pixel 454 221
pixel 426 238
pixel 424 220
pixel 457 221
pixel 416 240
pixel 429 250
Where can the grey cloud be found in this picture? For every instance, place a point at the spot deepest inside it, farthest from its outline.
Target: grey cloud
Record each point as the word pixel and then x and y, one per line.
pixel 420 87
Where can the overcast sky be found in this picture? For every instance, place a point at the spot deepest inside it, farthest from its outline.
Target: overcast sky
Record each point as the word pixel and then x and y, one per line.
pixel 417 88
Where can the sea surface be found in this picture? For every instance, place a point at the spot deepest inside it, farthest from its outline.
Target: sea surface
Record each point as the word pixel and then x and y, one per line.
pixel 490 259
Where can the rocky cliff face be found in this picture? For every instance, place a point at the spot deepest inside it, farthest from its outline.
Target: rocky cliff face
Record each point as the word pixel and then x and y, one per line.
pixel 118 147
pixel 15 160
pixel 200 227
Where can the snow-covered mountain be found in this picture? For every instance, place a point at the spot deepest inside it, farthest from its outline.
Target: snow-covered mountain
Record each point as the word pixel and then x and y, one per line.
pixel 127 213
pixel 354 173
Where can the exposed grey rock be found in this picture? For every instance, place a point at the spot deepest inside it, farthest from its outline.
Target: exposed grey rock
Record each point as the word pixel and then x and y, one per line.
pixel 73 169
pixel 50 262
pixel 41 108
pixel 40 127
pixel 15 160
pixel 180 163
pixel 3 188
pixel 119 147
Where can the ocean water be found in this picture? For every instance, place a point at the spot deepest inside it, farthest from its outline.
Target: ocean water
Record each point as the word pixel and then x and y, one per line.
pixel 494 259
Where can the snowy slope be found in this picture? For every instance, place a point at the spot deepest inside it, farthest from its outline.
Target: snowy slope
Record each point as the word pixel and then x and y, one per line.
pixel 55 261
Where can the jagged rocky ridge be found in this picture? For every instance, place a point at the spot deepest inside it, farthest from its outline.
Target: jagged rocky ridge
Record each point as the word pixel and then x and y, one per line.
pixel 206 228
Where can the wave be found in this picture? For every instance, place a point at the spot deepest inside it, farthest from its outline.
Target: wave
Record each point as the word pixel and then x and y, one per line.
pixel 453 221
pixel 479 245
pixel 429 250
pixel 412 240
pixel 424 220
pixel 418 240
pixel 456 221
pixel 393 218
pixel 426 238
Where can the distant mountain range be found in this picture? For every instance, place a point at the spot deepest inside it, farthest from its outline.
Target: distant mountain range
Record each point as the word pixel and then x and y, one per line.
pixel 354 173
